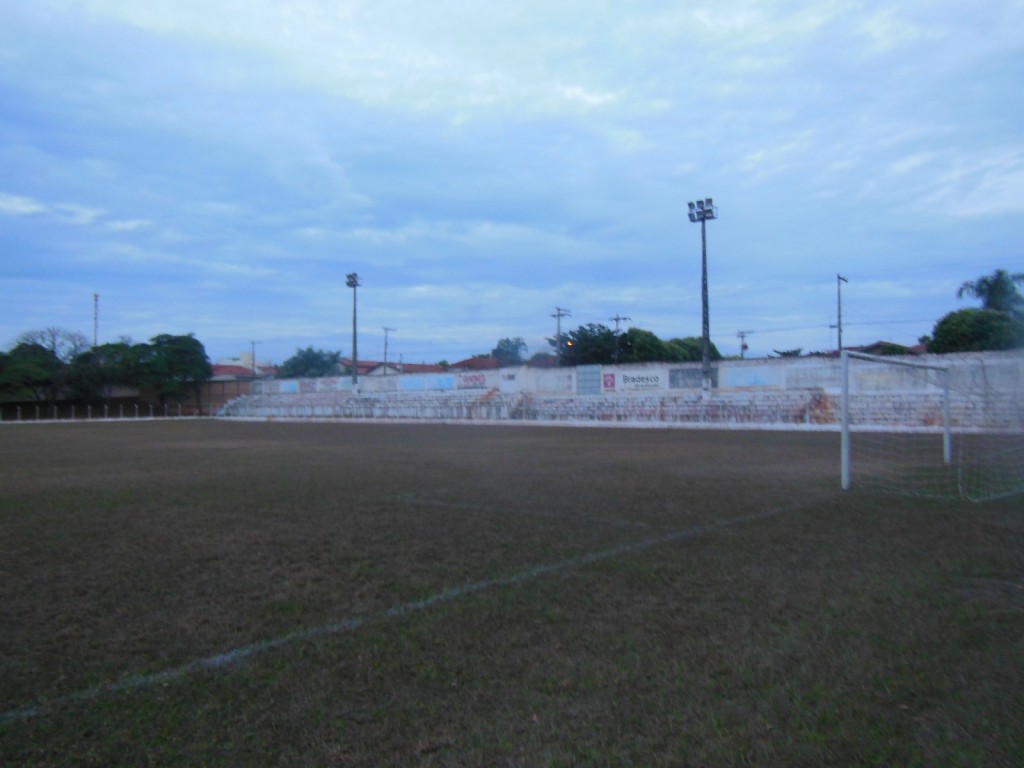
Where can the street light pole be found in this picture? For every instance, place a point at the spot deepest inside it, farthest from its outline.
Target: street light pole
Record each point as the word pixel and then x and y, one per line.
pixel 387 330
pixel 839 308
pixel 352 281
pixel 702 211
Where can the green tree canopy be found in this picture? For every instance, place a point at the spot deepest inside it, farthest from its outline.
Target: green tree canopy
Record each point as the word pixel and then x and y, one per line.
pixel 590 344
pixel 172 364
pixel 310 363
pixel 63 344
pixel 997 291
pixel 596 344
pixel 639 346
pixel 31 371
pixel 95 372
pixel 690 350
pixel 975 330
pixel 510 351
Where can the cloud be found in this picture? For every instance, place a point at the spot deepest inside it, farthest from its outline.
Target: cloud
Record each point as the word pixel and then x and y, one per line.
pixel 16 205
pixel 505 159
pixel 71 213
pixel 129 225
pixel 980 184
pixel 77 214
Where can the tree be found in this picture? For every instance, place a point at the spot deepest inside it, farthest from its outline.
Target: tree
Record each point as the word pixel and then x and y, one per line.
pixel 510 351
pixel 31 371
pixel 788 352
pixel 975 330
pixel 95 372
pixel 310 363
pixel 997 291
pixel 596 344
pixel 689 350
pixel 884 348
pixel 639 346
pixel 63 344
pixel 590 344
pixel 172 364
pixel 62 347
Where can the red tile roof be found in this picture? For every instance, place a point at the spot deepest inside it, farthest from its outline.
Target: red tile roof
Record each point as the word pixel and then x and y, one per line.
pixel 481 363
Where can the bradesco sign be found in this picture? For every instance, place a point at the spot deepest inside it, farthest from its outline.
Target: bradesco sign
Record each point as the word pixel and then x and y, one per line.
pixel 633 381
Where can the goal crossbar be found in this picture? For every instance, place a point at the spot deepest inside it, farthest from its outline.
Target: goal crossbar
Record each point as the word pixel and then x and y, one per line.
pixel 845 421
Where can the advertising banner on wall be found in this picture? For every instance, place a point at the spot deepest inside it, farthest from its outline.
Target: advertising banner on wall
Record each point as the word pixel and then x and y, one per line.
pixel 423 382
pixel 632 382
pixel 472 381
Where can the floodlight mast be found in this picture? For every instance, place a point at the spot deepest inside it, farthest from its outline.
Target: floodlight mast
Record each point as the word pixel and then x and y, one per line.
pixel 352 281
pixel 702 211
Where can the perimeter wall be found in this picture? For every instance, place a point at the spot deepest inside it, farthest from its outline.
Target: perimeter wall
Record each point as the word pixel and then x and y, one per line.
pixel 778 391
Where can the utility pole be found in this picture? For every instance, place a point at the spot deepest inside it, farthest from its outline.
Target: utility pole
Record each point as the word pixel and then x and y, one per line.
pixel 617 319
pixel 95 318
pixel 253 361
pixel 559 313
pixel 742 336
pixel 839 308
pixel 386 332
pixel 352 281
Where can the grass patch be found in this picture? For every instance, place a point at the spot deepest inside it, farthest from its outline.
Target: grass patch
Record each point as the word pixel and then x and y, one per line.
pixel 823 629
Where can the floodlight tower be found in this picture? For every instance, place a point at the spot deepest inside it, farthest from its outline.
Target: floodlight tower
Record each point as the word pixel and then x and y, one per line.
pixel 702 211
pixel 352 281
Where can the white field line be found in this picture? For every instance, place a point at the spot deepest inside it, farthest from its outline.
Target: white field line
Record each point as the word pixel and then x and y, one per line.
pixel 236 655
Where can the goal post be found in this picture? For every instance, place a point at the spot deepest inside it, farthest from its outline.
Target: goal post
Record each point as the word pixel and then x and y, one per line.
pixel 939 427
pixel 946 428
pixel 937 376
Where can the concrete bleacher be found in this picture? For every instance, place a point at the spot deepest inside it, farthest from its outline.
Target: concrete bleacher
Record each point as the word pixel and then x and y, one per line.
pixel 383 406
pixel 806 408
pixel 987 390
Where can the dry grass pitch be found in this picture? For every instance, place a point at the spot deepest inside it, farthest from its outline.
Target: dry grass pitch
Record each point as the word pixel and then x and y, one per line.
pixel 239 594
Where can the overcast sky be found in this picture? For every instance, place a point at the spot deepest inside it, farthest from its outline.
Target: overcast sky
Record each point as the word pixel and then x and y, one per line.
pixel 218 166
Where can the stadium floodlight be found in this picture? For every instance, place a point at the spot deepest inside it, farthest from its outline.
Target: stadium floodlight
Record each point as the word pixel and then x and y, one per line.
pixel 702 211
pixel 352 281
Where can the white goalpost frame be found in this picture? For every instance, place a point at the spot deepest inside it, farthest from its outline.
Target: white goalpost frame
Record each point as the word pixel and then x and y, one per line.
pixel 846 428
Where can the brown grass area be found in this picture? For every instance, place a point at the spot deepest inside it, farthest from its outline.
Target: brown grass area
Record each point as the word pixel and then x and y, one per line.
pixel 715 600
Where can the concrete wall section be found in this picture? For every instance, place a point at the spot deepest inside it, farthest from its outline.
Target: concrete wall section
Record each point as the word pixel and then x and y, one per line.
pixel 986 389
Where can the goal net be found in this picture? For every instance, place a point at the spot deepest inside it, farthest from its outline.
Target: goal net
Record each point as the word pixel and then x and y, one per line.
pixel 949 428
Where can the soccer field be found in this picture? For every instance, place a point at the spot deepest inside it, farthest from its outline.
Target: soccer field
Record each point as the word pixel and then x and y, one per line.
pixel 266 593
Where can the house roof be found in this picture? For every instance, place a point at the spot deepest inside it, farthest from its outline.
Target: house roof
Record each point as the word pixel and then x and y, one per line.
pixel 227 372
pixel 480 363
pixel 363 366
pixel 421 368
